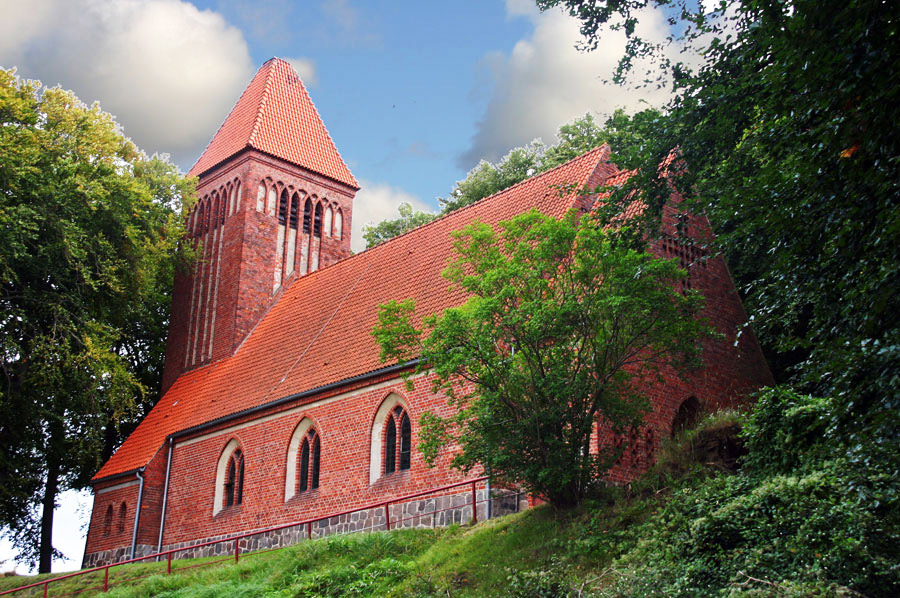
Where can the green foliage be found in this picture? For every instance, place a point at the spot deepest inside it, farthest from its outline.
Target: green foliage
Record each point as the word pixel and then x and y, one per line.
pixel 388 229
pixel 88 247
pixel 788 126
pixel 487 179
pixel 628 137
pixel 559 318
pixel 817 527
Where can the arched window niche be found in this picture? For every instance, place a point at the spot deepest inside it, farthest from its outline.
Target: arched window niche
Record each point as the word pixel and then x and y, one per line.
pixel 687 415
pixel 229 477
pixel 123 515
pixel 107 522
pixel 303 459
pixel 391 439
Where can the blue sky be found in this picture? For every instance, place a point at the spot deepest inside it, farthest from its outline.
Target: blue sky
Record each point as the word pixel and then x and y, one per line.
pixel 413 93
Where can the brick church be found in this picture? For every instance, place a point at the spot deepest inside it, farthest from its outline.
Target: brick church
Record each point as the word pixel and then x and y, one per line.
pixel 275 406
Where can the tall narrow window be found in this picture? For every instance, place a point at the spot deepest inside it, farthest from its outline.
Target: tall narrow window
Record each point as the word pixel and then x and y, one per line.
pixel 279 242
pixel 304 240
pixel 304 466
pixel 405 441
pixel 327 224
pixel 317 223
pixel 308 475
pixel 223 205
pixel 292 236
pixel 123 514
pixel 317 238
pixel 234 480
pixel 107 523
pixel 338 225
pixel 237 196
pixel 390 446
pixel 316 453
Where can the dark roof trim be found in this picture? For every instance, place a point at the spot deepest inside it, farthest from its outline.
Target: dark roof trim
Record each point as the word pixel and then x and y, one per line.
pixel 294 397
pixel 122 474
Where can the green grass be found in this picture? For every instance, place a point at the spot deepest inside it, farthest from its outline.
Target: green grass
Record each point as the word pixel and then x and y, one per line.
pixel 461 560
pixel 691 527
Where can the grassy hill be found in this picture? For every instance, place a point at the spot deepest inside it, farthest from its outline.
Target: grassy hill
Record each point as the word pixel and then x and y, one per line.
pixel 797 519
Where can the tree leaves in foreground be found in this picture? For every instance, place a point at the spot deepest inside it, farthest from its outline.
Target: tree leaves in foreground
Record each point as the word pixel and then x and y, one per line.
pixel 789 130
pixel 88 247
pixel 560 321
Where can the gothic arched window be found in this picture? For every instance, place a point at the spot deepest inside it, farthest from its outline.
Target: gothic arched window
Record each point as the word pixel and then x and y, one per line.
pixel 391 449
pixel 229 489
pixel 390 445
pixel 234 479
pixel 310 452
pixel 397 441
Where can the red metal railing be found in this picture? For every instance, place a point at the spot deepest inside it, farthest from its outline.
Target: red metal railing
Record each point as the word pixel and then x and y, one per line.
pixel 43 587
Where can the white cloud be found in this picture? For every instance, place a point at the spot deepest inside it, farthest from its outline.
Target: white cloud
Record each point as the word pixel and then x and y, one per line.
pixel 546 81
pixel 168 71
pixel 306 68
pixel 375 202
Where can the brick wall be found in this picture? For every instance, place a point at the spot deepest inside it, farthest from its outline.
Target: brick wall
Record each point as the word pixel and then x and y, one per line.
pixel 220 299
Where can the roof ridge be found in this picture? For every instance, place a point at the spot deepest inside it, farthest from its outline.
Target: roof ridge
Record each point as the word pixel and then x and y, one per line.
pixel 263 101
pixel 483 199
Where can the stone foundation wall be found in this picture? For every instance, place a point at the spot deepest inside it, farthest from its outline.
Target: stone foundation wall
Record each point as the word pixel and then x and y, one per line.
pixel 116 555
pixel 440 511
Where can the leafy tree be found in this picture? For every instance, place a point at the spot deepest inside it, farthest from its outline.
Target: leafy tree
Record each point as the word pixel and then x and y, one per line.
pixel 560 321
pixel 88 247
pixel 388 229
pixel 627 136
pixel 789 128
pixel 487 179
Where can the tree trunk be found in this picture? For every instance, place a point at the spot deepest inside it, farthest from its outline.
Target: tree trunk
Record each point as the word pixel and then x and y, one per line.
pixel 49 502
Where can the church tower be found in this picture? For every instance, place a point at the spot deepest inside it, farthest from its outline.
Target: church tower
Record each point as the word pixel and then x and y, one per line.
pixel 275 203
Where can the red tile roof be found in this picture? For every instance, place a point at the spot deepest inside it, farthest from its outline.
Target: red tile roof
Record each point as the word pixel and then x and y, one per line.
pixel 319 345
pixel 276 115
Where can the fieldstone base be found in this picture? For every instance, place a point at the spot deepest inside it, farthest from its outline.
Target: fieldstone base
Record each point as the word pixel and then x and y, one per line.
pixel 437 511
pixel 116 555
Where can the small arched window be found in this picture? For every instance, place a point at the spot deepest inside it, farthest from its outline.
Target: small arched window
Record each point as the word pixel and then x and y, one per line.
pixel 234 479
pixel 338 225
pixel 303 459
pixel 328 218
pixel 310 452
pixel 391 439
pixel 397 439
pixel 107 523
pixel 123 514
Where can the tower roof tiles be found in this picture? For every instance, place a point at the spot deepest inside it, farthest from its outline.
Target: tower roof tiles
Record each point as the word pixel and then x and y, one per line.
pixel 275 115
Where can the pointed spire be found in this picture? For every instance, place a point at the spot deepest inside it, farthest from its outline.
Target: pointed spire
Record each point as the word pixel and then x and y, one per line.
pixel 275 115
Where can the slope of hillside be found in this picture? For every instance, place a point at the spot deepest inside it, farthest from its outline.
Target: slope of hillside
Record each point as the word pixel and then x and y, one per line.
pixel 795 520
